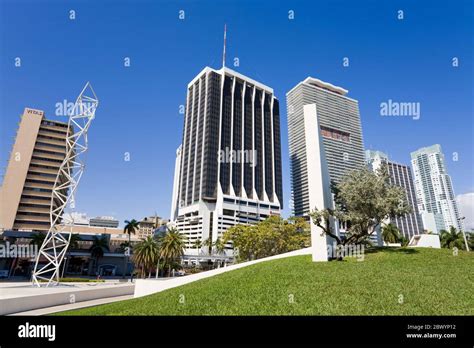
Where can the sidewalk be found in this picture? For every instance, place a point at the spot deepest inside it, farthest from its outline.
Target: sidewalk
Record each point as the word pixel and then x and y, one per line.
pixel 77 305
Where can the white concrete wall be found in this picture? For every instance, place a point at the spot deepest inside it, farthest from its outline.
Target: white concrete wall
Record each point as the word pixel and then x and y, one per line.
pixel 24 298
pixel 425 241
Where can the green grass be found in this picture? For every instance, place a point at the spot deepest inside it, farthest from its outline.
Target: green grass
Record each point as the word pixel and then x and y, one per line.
pixel 430 282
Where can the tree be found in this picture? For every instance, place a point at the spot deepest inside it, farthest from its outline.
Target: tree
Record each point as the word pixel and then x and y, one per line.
pixel 208 243
pixel 198 245
pixel 272 236
pixel 363 200
pixel 173 244
pixel 98 248
pixel 390 234
pixel 219 246
pixel 404 241
pixel 74 240
pixel 38 239
pixel 131 227
pixel 470 240
pixel 146 254
pixel 452 239
pixel 123 247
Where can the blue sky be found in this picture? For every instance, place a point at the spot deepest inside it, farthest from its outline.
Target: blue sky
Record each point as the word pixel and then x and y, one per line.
pixel 405 60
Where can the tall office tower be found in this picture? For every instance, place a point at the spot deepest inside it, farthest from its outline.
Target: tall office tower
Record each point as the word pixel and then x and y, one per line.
pixel 177 174
pixel 434 190
pixel 334 117
pixel 400 175
pixel 230 170
pixel 26 192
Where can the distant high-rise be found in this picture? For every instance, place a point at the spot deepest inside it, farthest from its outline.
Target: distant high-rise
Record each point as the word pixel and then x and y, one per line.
pixel 400 175
pixel 434 190
pixel 230 159
pixel 335 118
pixel 26 192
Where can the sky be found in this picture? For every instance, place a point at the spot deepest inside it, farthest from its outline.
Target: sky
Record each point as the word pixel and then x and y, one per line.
pixel 403 60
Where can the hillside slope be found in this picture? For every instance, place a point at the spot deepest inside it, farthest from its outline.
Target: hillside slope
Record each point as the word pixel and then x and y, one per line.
pixel 390 281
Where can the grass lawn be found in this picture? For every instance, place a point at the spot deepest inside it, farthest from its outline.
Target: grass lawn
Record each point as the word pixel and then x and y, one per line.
pixel 394 281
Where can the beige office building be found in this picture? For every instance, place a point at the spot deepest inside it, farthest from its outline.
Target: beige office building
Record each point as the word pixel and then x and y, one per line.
pixel 148 225
pixel 26 191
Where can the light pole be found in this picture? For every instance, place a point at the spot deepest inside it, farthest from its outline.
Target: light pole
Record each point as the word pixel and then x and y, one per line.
pixel 463 233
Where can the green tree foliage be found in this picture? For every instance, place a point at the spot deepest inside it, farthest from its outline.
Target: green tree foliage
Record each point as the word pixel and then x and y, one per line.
pixel 74 241
pixel 272 236
pixel 131 227
pixel 172 247
pixel 452 239
pixel 99 246
pixel 390 233
pixel 219 246
pixel 146 253
pixel 38 239
pixel 363 200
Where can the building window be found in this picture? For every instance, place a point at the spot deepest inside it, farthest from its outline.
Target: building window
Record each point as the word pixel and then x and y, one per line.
pixel 335 134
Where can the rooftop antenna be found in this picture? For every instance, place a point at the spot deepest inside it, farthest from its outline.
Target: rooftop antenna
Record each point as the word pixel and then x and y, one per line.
pixel 223 53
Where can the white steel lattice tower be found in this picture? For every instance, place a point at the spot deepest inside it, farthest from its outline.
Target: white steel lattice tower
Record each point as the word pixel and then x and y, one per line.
pixel 70 172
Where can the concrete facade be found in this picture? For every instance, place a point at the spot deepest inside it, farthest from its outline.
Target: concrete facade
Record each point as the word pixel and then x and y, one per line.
pixel 229 169
pixel 38 151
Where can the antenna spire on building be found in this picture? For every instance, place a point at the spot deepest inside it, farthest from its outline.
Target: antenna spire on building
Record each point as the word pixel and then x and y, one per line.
pixel 223 53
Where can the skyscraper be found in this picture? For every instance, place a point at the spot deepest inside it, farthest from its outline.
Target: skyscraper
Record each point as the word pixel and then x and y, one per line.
pixel 434 190
pixel 26 192
pixel 400 175
pixel 337 123
pixel 230 157
pixel 325 140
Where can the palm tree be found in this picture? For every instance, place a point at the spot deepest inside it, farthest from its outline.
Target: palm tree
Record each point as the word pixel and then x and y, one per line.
pixel 198 245
pixel 98 248
pixel 146 253
pixel 158 258
pixel 130 227
pixel 219 246
pixel 452 239
pixel 404 241
pixel 38 239
pixel 74 239
pixel 208 243
pixel 172 247
pixel 390 233
pixel 122 247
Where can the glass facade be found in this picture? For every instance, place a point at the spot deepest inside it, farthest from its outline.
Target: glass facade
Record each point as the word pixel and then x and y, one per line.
pixel 239 120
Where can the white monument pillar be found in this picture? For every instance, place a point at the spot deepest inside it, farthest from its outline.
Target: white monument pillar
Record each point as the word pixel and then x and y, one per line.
pixel 319 189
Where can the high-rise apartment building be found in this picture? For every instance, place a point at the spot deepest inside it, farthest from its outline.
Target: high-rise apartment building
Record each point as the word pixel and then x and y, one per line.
pixel 400 175
pixel 335 118
pixel 325 140
pixel 230 159
pixel 434 190
pixel 26 192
